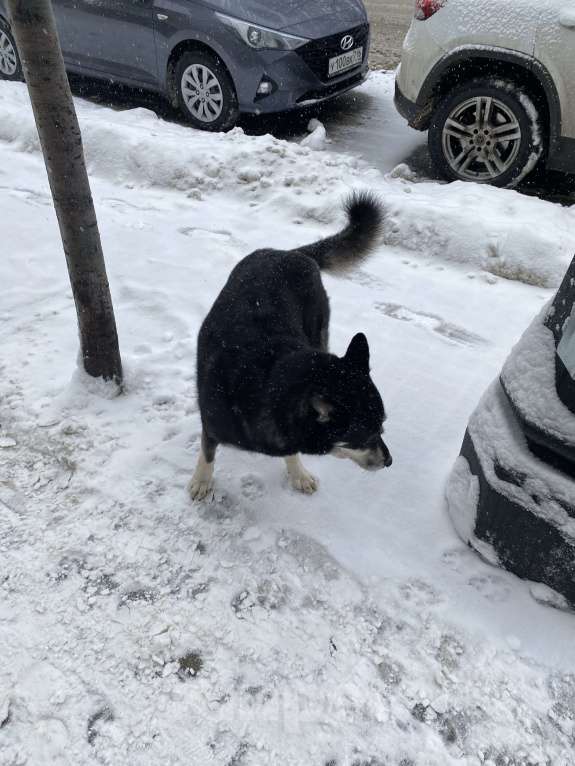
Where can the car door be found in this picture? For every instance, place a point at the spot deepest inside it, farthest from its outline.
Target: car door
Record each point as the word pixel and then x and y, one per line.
pixel 555 49
pixel 111 37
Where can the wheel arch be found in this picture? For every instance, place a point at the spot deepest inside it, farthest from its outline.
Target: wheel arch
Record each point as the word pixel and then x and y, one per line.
pixel 186 45
pixel 472 62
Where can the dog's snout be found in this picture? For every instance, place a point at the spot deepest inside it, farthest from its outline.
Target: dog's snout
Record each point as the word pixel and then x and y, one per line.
pixel 377 462
pixel 382 462
pixel 371 458
pixel 386 454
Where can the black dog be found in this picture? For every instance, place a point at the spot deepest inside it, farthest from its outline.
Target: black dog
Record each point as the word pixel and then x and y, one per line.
pixel 266 381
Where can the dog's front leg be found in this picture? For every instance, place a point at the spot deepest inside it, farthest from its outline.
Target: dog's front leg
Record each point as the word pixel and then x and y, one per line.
pixel 202 481
pixel 300 479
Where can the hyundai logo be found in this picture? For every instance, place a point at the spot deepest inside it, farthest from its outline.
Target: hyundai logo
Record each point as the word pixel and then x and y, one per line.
pixel 347 43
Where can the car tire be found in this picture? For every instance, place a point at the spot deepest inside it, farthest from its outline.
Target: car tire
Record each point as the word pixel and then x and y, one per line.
pixel 10 66
pixel 205 91
pixel 487 131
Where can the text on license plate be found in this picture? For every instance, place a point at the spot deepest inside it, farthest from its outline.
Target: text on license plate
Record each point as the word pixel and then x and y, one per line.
pixel 345 61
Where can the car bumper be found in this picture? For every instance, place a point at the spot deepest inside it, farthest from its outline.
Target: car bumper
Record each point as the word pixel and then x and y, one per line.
pixel 419 55
pixel 409 110
pixel 300 78
pixel 514 509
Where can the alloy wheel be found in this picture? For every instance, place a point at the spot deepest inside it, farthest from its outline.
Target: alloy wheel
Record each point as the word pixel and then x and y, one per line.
pixel 481 139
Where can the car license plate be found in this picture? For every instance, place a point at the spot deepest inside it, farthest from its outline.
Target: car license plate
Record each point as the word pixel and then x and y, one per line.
pixel 345 61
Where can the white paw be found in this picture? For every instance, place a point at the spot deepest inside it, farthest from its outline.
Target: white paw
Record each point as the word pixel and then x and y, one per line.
pixel 304 482
pixel 200 488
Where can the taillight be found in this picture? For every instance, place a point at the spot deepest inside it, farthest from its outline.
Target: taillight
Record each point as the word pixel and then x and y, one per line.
pixel 426 8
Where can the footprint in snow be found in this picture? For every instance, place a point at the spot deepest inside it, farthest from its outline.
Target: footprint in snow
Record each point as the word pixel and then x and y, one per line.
pixel 421 593
pixel 191 231
pixel 431 322
pixel 365 279
pixel 252 486
pixel 218 507
pixel 450 652
pixel 456 558
pixel 96 723
pixel 123 206
pixel 491 587
pixel 30 195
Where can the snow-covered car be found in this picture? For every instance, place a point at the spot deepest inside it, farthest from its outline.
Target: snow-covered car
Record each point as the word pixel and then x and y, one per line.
pixel 512 491
pixel 494 83
pixel 214 59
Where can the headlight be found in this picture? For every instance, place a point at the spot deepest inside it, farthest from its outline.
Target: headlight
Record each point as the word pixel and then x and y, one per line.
pixel 260 37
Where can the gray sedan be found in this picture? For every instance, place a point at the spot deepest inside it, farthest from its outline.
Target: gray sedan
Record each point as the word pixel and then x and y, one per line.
pixel 213 59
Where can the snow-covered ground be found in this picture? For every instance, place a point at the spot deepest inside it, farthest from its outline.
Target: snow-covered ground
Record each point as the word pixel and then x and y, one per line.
pixel 352 627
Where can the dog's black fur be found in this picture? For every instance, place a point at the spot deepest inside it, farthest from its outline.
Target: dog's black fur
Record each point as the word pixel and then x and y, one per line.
pixel 266 380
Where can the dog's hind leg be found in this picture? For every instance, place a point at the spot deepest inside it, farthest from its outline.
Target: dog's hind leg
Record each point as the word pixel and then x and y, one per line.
pixel 202 481
pixel 299 478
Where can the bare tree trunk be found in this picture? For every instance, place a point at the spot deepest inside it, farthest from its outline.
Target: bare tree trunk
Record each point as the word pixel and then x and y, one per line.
pixel 34 28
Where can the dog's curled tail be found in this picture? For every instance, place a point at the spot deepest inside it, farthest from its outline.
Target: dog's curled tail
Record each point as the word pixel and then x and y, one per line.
pixel 354 243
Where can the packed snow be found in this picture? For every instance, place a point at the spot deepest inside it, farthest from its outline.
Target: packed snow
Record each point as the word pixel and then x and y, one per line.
pixel 350 628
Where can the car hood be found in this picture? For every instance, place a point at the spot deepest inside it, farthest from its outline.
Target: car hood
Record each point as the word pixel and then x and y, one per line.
pixel 309 18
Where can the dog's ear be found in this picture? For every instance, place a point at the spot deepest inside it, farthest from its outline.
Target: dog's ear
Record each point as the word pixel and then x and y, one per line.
pixel 322 408
pixel 357 355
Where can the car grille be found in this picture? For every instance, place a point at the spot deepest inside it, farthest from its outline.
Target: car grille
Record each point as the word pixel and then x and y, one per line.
pixel 317 53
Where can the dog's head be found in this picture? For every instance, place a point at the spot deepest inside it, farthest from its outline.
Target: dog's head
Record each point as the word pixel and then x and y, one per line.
pixel 348 406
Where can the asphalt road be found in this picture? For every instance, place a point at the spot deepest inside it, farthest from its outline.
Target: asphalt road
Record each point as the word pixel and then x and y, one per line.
pixel 390 20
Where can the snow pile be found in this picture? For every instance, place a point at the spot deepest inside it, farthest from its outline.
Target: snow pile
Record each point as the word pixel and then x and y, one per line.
pixel 501 232
pixel 317 138
pixel 567 18
pixel 135 146
pixel 479 227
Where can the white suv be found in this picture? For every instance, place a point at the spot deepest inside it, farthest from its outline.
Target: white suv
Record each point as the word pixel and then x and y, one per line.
pixel 494 83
